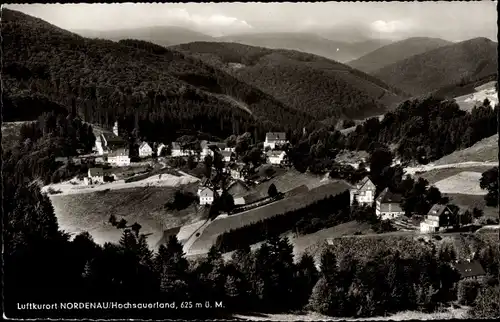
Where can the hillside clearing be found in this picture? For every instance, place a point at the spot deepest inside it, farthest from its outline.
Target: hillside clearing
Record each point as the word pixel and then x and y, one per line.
pixel 485 150
pixel 221 225
pixel 435 175
pixel 465 182
pixel 473 201
pixel 485 91
pixel 144 205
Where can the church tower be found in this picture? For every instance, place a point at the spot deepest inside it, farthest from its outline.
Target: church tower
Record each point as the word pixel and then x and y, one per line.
pixel 115 128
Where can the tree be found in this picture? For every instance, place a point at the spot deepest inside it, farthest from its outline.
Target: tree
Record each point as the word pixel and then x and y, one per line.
pixel 489 182
pixel 487 304
pixel 379 159
pixel 468 291
pixel 208 161
pixel 272 191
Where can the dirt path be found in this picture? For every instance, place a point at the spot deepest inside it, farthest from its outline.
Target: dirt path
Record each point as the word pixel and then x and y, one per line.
pixel 160 180
pixel 429 167
pixel 234 101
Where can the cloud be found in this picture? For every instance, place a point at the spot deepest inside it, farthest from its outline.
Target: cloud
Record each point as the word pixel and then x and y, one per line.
pixel 390 26
pixel 215 22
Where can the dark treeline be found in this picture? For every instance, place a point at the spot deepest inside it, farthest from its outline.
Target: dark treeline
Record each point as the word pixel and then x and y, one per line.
pixel 321 214
pixel 427 129
pixel 41 142
pixel 102 80
pixel 366 277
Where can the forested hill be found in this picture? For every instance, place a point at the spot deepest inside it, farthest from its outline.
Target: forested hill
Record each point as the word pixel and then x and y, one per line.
pixel 166 90
pixel 321 87
pixel 395 52
pixel 465 61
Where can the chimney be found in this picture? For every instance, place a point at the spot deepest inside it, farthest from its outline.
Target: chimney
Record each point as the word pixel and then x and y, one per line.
pixel 115 128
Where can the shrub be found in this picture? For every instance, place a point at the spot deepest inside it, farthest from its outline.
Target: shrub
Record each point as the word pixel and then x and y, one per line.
pixel 468 291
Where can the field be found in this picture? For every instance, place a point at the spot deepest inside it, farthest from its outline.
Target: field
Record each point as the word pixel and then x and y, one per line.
pixel 467 102
pixel 449 313
pixel 465 182
pixel 144 205
pixel 471 201
pixel 286 182
pixel 437 175
pixel 219 226
pixel 483 151
pixel 352 157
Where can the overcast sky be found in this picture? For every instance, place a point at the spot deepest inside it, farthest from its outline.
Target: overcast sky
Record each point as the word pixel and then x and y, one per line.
pixel 449 20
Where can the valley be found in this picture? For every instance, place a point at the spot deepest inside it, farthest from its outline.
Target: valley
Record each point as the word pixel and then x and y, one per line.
pixel 287 173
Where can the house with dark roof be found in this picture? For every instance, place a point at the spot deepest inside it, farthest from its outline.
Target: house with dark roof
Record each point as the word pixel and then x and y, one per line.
pixel 470 269
pixel 363 192
pixel 275 139
pixel 388 205
pixel 436 219
pixel 106 142
pixel 227 156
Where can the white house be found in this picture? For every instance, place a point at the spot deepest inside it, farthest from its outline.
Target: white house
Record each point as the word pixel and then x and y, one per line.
pixel 388 205
pixel 119 157
pixel 206 196
pixel 276 157
pixel 94 176
pixel 275 139
pixel 145 150
pixel 364 192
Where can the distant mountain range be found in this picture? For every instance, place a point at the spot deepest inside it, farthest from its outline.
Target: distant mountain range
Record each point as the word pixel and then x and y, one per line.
pixel 321 87
pixel 341 51
pixel 464 62
pixel 307 42
pixel 163 36
pixel 395 52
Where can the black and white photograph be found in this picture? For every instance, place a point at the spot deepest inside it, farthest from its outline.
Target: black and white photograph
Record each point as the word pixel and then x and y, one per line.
pixel 250 161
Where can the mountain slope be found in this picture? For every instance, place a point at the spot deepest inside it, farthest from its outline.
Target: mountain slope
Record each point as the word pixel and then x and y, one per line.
pixel 395 52
pixel 165 90
pixel 306 42
pixel 464 61
pixel 321 87
pixel 163 36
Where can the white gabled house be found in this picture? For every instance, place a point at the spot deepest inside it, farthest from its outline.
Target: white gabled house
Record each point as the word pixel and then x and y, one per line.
pixel 145 150
pixel 227 156
pixel 206 195
pixel 275 139
pixel 276 157
pixel 364 192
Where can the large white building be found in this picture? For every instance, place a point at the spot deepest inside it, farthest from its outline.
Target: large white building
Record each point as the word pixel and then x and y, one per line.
pixel 119 157
pixel 436 218
pixel 160 148
pixel 388 205
pixel 275 139
pixel 145 150
pixel 364 192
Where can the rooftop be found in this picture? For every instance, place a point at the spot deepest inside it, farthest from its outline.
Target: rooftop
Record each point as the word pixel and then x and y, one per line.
pixel 118 153
pixel 96 172
pixel 438 210
pixel 387 196
pixel 206 192
pixel 470 268
pixel 275 136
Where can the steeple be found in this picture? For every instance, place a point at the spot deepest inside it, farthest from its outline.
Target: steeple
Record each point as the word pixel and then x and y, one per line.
pixel 115 128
